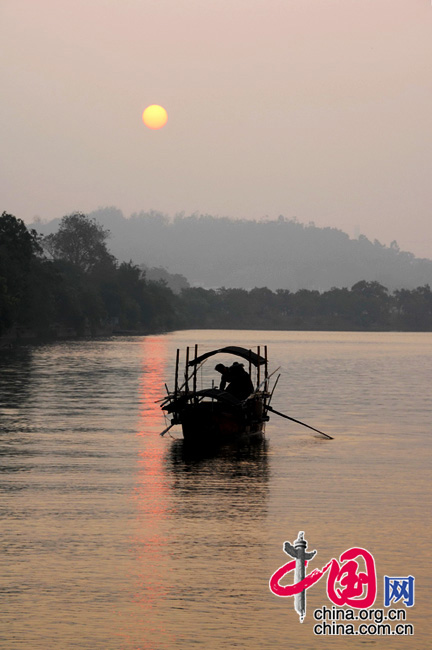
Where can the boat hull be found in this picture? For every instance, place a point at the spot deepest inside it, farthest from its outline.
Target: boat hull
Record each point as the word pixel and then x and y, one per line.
pixel 213 423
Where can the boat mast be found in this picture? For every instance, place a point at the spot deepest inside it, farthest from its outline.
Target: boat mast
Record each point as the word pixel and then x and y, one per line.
pixel 176 374
pixel 258 367
pixel 195 372
pixel 186 384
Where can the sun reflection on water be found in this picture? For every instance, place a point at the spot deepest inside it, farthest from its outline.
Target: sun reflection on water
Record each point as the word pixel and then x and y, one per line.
pixel 150 544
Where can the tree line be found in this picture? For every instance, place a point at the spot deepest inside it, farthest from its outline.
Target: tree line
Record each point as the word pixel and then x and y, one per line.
pixel 367 306
pixel 69 284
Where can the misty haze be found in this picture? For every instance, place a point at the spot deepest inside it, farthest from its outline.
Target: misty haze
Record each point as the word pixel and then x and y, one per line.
pixel 215 252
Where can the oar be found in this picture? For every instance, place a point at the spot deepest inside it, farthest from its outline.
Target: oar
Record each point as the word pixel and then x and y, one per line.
pixel 298 422
pixel 166 430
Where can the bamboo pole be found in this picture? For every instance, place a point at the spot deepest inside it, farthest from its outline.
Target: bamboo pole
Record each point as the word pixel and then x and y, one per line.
pixel 186 384
pixel 195 372
pixel 176 374
pixel 258 366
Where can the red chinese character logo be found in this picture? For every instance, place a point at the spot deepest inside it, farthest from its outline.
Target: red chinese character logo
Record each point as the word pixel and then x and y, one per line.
pixel 346 583
pixel 358 589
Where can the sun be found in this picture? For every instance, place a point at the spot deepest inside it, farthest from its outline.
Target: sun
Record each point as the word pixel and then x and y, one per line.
pixel 155 116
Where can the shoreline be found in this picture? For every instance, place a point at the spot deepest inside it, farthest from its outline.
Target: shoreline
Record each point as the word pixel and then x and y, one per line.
pixel 18 337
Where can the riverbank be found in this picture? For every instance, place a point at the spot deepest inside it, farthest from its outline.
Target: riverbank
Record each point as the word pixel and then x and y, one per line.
pixel 16 336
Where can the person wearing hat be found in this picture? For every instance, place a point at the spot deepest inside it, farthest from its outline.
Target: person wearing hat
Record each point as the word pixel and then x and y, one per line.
pixel 239 382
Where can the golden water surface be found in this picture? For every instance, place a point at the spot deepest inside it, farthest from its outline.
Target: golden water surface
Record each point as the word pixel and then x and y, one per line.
pixel 114 539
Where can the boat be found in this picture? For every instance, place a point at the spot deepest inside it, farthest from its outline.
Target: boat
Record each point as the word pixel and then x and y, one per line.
pixel 236 410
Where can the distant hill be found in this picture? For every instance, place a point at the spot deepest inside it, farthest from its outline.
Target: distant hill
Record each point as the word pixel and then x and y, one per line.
pixel 278 254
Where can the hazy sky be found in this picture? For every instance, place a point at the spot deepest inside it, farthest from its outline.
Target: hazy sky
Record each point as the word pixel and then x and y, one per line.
pixel 318 109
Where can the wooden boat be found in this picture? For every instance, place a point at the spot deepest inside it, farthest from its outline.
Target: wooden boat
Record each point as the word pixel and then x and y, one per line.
pixel 215 416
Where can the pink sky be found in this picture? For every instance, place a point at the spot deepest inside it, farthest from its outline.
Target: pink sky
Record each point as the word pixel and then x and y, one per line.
pixel 318 109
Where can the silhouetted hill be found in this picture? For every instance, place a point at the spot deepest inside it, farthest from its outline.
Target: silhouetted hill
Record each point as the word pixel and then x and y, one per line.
pixel 278 254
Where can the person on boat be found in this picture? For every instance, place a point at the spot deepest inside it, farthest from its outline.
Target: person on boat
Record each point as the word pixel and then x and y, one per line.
pixel 239 382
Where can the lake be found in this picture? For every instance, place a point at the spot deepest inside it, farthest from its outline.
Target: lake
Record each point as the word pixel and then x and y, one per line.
pixel 114 538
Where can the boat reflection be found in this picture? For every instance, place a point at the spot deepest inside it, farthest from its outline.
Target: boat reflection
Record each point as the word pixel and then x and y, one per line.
pixel 231 481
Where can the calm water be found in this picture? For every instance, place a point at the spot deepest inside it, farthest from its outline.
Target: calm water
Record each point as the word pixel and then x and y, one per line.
pixel 112 538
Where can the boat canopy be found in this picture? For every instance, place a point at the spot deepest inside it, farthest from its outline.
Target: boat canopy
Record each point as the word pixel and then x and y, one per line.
pixel 253 357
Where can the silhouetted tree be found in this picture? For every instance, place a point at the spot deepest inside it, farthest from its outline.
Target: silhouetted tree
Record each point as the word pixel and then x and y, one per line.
pixel 80 241
pixel 19 248
pixel 199 308
pixel 414 308
pixel 372 304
